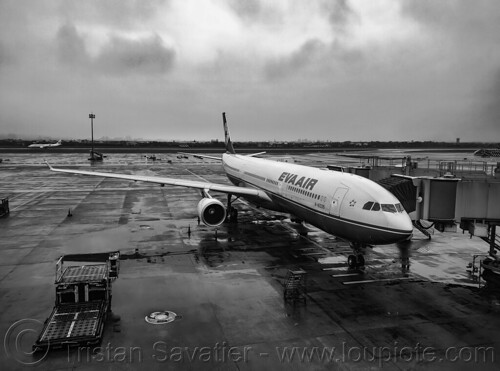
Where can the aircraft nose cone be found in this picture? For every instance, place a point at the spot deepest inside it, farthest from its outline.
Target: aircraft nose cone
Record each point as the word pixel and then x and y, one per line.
pixel 401 224
pixel 405 224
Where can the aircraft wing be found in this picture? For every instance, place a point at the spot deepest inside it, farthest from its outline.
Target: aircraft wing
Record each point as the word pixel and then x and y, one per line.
pixel 206 186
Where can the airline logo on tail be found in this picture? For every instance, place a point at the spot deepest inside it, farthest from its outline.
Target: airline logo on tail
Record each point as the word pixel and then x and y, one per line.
pixel 227 138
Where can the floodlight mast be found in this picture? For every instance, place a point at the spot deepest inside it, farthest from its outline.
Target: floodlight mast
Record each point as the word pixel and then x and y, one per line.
pixel 92 117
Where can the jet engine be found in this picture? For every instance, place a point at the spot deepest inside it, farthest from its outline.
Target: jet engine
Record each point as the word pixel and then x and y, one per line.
pixel 211 211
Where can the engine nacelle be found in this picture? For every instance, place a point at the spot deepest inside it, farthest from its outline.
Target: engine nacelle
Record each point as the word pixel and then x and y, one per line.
pixel 211 211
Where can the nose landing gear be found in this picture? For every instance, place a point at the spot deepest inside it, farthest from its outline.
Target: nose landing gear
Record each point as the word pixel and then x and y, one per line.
pixel 357 259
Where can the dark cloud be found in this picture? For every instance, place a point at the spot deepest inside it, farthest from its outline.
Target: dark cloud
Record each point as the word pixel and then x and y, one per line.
pixel 340 14
pixel 255 13
pixel 430 12
pixel 319 60
pixel 246 9
pixel 118 57
pixel 298 60
pixel 71 47
pixel 122 13
pixel 143 56
pixel 463 21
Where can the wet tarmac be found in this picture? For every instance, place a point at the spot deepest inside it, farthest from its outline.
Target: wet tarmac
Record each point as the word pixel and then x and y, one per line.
pixel 411 307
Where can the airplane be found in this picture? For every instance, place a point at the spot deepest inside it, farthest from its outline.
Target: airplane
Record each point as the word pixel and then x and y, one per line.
pixel 346 205
pixel 487 152
pixel 45 145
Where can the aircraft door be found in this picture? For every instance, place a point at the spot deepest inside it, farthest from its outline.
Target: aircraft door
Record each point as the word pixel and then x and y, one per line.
pixel 337 199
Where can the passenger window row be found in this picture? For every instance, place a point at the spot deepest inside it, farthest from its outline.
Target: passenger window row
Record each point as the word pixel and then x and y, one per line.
pixel 304 192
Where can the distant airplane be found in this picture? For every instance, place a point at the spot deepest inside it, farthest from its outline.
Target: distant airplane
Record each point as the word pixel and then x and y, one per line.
pixel 351 207
pixel 45 145
pixel 487 152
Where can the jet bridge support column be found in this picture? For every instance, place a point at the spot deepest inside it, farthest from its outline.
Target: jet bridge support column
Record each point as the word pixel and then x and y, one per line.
pixel 493 230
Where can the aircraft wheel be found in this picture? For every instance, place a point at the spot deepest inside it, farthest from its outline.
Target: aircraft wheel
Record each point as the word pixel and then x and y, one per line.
pixel 361 260
pixel 352 261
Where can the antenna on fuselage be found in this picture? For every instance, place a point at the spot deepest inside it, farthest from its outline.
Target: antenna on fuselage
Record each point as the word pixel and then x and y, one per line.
pixel 227 138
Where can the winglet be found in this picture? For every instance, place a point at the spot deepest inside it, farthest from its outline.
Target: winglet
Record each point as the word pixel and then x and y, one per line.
pixel 227 138
pixel 50 167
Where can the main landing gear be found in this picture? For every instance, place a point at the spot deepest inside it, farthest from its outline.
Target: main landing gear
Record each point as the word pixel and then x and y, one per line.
pixel 356 260
pixel 232 213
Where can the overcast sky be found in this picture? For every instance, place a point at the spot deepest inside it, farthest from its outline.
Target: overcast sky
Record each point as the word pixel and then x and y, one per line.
pixel 281 69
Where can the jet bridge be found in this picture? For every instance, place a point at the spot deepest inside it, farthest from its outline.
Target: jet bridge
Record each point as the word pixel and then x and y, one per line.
pixel 446 201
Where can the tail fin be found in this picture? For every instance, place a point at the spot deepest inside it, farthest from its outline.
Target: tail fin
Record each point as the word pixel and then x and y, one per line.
pixel 227 138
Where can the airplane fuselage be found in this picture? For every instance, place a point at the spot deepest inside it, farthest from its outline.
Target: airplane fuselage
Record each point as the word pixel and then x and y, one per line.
pixel 344 204
pixel 44 145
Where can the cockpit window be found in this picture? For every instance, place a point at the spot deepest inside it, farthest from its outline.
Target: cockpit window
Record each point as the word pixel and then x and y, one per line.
pixel 389 208
pixel 368 205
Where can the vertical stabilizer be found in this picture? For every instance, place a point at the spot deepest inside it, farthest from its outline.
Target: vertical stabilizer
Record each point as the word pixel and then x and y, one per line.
pixel 227 138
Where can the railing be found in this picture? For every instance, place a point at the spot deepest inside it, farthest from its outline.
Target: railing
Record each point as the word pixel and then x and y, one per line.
pixel 496 242
pixel 458 168
pixel 462 167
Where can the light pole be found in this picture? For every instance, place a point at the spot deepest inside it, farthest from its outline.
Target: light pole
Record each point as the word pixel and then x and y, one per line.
pixel 92 117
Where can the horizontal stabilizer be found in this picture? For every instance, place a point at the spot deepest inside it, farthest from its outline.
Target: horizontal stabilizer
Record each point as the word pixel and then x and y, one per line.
pixel 256 154
pixel 197 155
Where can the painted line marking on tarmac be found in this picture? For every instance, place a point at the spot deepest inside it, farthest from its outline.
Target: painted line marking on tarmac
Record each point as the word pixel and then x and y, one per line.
pixel 34 198
pixel 346 275
pixel 379 280
pixel 333 268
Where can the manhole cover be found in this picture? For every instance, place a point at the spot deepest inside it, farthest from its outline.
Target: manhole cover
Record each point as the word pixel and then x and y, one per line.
pixel 159 318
